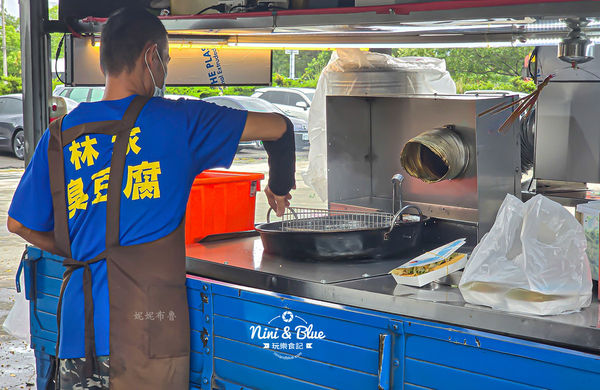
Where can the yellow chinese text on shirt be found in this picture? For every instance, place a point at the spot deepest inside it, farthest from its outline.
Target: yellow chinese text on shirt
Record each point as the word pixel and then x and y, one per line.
pixel 142 181
pixel 76 198
pixel 87 156
pixel 133 139
pixel 100 179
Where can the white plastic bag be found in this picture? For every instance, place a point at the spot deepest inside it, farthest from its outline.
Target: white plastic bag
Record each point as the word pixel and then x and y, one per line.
pixel 354 72
pixel 17 322
pixel 532 261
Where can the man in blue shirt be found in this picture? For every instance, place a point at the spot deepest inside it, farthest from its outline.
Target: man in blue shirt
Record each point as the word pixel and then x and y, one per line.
pixel 167 145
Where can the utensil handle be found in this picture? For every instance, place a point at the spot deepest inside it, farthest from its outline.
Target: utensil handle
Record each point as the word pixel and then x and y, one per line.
pixel 289 208
pixel 399 215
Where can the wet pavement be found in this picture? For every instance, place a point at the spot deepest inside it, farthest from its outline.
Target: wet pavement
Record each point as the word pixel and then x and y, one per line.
pixel 17 364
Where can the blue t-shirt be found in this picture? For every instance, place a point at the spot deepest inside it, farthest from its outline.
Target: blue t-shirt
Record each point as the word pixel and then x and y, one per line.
pixel 171 142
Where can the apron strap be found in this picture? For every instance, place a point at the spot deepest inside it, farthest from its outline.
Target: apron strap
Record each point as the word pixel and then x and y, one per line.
pixel 57 188
pixel 117 168
pixel 90 341
pixel 101 127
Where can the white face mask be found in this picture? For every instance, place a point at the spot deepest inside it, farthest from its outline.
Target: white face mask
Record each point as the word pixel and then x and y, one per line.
pixel 157 91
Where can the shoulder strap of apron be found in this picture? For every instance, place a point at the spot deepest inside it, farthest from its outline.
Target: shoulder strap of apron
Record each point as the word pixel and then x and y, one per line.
pixel 117 168
pixel 57 188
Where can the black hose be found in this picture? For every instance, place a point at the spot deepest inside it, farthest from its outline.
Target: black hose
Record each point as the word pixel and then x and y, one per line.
pixel 527 142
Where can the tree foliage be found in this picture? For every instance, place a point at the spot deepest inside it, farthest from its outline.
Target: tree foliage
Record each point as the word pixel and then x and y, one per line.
pixel 202 92
pixel 480 68
pixel 13 45
pixel 281 62
pixel 55 37
pixel 316 65
pixel 10 84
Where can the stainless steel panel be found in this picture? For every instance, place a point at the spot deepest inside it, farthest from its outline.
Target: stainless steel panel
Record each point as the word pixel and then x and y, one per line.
pixel 550 64
pixel 366 137
pixel 567 137
pixel 241 263
pixel 248 253
pixel 397 120
pixel 448 212
pixel 498 163
pixel 348 148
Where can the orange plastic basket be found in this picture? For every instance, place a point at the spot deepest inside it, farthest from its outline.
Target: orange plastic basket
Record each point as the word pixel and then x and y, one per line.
pixel 221 202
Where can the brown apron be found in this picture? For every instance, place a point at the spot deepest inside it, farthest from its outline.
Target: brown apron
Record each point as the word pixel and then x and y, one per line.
pixel 151 352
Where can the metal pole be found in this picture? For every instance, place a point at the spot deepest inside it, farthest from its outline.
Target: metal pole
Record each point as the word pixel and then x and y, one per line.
pixel 293 65
pixel 35 66
pixel 4 65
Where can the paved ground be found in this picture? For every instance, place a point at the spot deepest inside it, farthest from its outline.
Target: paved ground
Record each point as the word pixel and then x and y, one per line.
pixel 249 160
pixel 8 160
pixel 17 366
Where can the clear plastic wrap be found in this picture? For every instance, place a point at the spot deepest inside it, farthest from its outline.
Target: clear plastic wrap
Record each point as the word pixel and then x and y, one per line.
pixel 532 261
pixel 17 322
pixel 355 72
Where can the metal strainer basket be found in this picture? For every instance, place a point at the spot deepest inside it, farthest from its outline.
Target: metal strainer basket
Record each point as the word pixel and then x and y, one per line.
pixel 323 220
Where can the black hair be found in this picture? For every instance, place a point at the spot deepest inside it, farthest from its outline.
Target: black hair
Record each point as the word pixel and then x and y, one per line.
pixel 124 36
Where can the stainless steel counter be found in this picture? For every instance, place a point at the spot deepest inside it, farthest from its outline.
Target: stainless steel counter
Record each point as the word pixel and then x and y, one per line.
pixel 367 285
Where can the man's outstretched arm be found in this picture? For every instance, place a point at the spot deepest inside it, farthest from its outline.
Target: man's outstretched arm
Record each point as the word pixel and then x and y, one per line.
pixel 43 240
pixel 277 133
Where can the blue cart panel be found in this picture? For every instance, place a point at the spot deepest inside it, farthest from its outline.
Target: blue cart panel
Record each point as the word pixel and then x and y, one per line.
pixel 244 338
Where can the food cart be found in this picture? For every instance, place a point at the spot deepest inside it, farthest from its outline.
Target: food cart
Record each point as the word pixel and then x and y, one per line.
pixel 264 321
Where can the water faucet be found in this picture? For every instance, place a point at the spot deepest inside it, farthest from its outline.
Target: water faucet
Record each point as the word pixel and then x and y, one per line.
pixel 397 192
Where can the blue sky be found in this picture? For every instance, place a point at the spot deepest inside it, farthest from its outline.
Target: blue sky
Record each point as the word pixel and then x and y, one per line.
pixel 12 6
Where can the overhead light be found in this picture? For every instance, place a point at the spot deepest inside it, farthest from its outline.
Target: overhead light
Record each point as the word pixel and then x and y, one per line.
pixel 359 45
pixel 538 42
pixel 546 26
pixel 198 43
pixel 434 28
pixel 183 43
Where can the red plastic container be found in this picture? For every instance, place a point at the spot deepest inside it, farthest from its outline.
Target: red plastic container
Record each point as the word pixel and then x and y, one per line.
pixel 221 202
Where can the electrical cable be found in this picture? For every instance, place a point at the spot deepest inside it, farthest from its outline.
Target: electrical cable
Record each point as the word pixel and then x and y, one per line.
pixel 56 58
pixel 532 59
pixel 219 7
pixel 239 6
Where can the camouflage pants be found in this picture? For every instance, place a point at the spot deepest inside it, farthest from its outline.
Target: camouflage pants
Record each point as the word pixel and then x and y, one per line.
pixel 72 377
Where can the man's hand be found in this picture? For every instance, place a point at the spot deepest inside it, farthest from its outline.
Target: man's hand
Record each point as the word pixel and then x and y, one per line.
pixel 278 203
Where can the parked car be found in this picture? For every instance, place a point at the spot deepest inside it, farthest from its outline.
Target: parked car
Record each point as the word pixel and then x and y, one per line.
pixel 79 94
pixel 259 105
pixel 293 102
pixel 12 136
pixel 176 97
